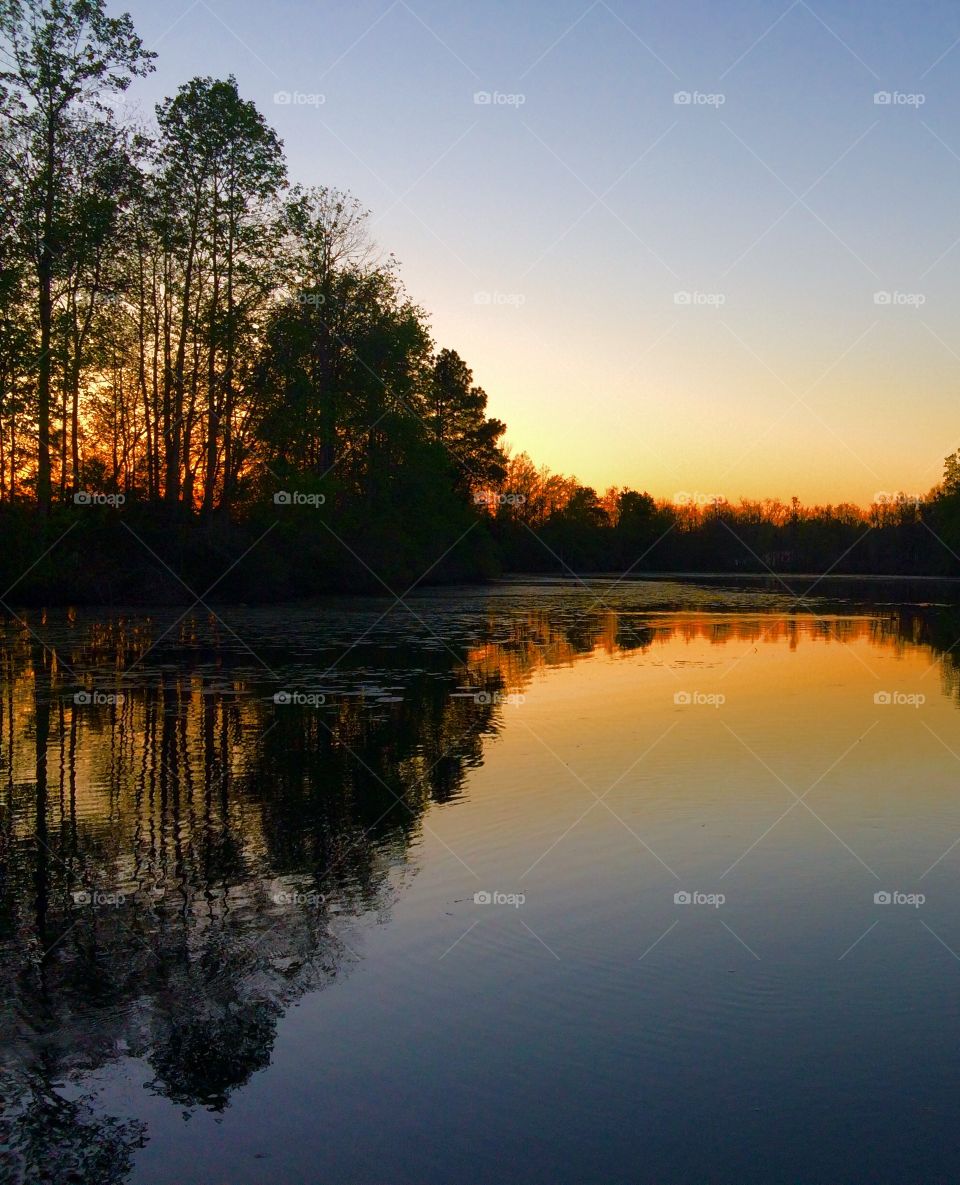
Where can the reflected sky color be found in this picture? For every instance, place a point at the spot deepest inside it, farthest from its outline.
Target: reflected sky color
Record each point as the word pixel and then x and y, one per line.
pixel 549 236
pixel 238 933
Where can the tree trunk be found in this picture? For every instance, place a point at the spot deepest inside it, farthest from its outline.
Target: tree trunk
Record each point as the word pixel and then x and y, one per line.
pixel 45 286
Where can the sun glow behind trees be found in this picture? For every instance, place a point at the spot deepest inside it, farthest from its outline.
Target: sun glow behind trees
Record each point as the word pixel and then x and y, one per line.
pixel 178 320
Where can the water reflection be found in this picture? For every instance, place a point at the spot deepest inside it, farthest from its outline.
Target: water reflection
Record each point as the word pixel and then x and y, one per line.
pixel 182 857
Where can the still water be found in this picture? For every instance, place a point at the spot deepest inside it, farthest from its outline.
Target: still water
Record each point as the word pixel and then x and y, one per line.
pixel 642 882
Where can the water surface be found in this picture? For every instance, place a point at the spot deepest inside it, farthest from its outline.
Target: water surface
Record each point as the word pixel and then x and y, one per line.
pixel 646 881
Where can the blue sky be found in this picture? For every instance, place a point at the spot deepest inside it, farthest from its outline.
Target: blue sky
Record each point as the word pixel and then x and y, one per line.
pixel 550 230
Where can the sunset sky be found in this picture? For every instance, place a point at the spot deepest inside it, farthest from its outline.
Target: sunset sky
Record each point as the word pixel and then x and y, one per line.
pixel 669 295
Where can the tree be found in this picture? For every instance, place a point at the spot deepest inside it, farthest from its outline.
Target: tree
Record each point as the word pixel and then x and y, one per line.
pixel 639 526
pixel 103 182
pixel 219 168
pixel 456 415
pixel 301 378
pixel 62 58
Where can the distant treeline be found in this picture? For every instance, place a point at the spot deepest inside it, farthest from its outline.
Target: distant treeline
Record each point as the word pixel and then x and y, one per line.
pixel 543 522
pixel 210 379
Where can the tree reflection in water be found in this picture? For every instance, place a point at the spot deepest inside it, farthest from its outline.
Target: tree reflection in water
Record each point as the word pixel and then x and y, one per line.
pixel 179 866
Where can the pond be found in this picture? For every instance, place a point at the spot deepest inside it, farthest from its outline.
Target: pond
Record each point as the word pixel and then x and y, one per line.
pixel 627 881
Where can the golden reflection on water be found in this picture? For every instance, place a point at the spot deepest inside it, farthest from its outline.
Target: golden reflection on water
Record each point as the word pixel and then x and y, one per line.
pixel 233 839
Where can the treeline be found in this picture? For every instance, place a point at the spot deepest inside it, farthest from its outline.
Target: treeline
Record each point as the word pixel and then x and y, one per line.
pixel 210 378
pixel 543 522
pixel 188 335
